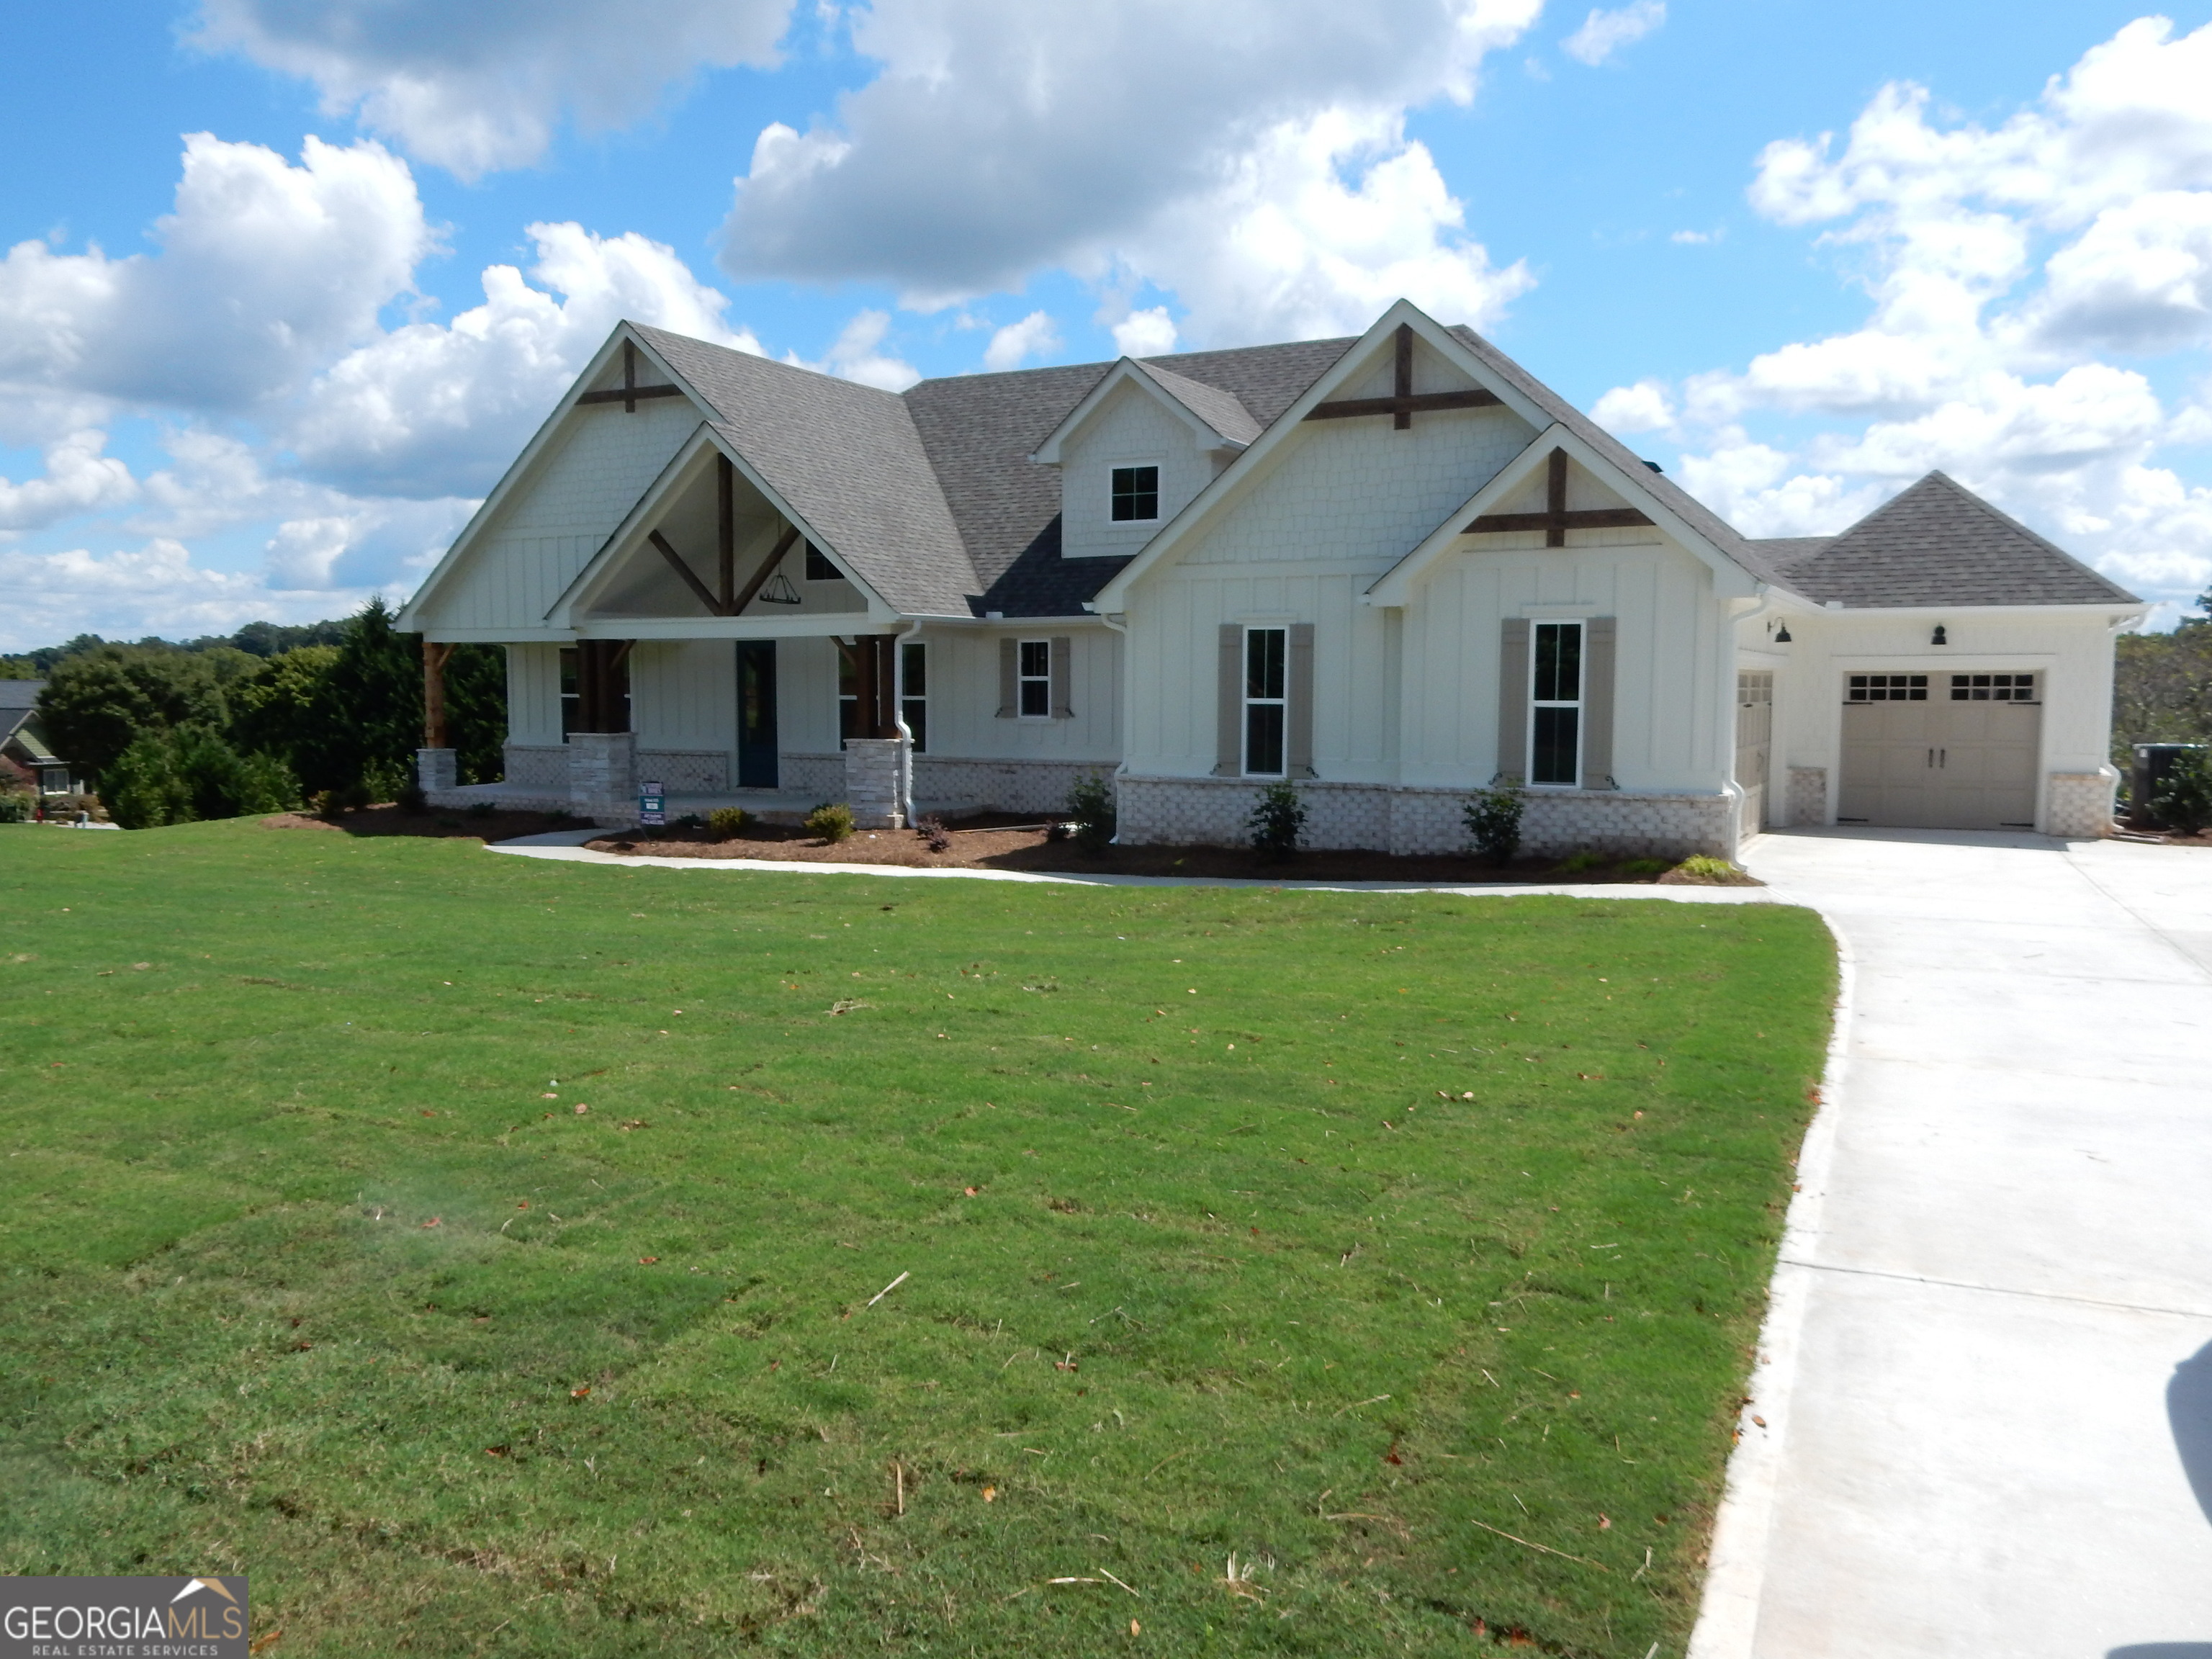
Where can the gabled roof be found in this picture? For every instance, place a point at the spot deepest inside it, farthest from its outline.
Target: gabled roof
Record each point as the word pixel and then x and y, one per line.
pixel 1937 543
pixel 17 699
pixel 1218 407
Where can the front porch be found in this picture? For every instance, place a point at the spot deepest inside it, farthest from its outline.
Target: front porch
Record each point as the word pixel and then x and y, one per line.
pixel 770 805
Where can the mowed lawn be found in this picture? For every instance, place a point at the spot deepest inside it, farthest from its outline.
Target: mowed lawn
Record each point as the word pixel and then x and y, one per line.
pixel 1406 1250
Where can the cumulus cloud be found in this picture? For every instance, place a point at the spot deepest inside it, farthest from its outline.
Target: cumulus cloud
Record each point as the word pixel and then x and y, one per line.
pixel 1644 407
pixel 1002 136
pixel 78 479
pixel 1014 344
pixel 431 410
pixel 1605 33
pixel 856 355
pixel 1147 333
pixel 2000 261
pixel 484 86
pixel 155 588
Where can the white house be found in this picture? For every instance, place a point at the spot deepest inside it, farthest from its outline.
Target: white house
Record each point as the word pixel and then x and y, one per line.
pixel 1391 569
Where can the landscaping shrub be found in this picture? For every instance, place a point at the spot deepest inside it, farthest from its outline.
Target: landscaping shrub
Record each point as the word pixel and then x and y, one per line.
pixel 2183 800
pixel 832 823
pixel 1493 817
pixel 1702 870
pixel 1090 804
pixel 188 773
pixel 1278 820
pixel 14 805
pixel 411 798
pixel 930 828
pixel 728 823
pixel 1579 860
pixel 1643 867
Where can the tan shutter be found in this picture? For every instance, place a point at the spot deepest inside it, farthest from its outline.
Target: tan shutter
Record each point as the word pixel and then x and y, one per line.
pixel 1063 677
pixel 1228 713
pixel 1009 690
pixel 1598 634
pixel 1300 686
pixel 1513 699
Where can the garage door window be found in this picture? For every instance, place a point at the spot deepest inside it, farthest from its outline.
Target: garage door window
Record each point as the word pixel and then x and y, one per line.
pixel 1992 688
pixel 1887 688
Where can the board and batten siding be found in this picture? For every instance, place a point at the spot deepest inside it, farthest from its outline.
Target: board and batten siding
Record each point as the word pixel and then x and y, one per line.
pixel 561 515
pixel 963 696
pixel 683 693
pixel 533 694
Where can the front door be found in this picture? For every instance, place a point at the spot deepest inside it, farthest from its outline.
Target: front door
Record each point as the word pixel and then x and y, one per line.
pixel 756 743
pixel 1754 743
pixel 1940 751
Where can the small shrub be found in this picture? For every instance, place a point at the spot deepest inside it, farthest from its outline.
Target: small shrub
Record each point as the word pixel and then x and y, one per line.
pixel 411 798
pixel 1576 862
pixel 930 828
pixel 1278 820
pixel 356 796
pixel 833 824
pixel 728 823
pixel 2183 800
pixel 1643 867
pixel 484 809
pixel 1090 804
pixel 1493 817
pixel 14 805
pixel 323 803
pixel 1701 870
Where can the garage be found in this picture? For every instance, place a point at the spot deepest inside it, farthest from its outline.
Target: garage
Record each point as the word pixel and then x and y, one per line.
pixel 1941 751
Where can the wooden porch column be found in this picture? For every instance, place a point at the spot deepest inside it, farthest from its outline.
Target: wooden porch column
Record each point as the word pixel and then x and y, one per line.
pixel 434 656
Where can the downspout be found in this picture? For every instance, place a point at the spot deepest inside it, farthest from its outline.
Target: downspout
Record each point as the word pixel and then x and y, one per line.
pixel 1119 622
pixel 899 636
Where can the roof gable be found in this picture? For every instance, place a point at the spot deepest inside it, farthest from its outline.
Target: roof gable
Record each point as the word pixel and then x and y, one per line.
pixel 1216 418
pixel 1938 543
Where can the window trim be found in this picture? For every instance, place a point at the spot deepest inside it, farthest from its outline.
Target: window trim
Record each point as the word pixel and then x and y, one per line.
pixel 1247 702
pixel 910 702
pixel 1023 679
pixel 1113 469
pixel 1579 703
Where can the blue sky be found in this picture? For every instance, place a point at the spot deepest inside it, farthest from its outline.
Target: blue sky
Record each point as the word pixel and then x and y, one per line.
pixel 252 370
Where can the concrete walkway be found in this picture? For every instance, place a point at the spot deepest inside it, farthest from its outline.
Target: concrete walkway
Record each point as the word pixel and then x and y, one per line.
pixel 1987 1380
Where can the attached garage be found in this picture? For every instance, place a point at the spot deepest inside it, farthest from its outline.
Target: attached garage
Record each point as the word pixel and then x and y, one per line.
pixel 1941 751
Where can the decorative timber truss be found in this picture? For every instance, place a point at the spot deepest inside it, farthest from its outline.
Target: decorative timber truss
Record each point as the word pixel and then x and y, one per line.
pixel 726 598
pixel 629 390
pixel 1404 402
pixel 1555 520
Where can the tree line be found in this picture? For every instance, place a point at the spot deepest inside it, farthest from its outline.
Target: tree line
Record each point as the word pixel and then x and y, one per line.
pixel 267 719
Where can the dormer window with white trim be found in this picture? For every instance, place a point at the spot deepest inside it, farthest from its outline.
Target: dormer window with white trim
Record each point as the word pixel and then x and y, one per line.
pixel 1136 494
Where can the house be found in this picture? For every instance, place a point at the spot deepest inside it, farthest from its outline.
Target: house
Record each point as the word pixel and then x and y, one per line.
pixel 1391 569
pixel 25 760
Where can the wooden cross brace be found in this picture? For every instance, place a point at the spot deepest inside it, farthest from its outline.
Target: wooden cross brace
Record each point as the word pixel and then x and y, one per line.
pixel 1555 520
pixel 629 390
pixel 1403 402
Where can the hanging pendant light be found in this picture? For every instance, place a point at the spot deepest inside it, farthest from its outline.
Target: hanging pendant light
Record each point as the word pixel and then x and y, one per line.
pixel 779 591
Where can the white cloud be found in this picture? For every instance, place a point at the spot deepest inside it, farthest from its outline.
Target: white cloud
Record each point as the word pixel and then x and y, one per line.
pixel 1148 333
pixel 1696 238
pixel 1013 345
pixel 854 355
pixel 1605 33
pixel 484 86
pixel 78 479
pixel 1002 136
pixel 438 410
pixel 264 269
pixel 1644 407
pixel 157 588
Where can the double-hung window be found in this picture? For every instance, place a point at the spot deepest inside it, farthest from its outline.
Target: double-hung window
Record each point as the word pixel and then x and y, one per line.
pixel 1136 494
pixel 1555 714
pixel 1267 700
pixel 1033 680
pixel 914 692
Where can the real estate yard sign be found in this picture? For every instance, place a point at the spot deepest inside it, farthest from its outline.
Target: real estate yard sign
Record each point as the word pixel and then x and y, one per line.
pixel 652 804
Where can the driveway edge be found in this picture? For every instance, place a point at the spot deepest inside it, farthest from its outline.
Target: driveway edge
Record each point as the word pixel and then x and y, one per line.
pixel 1735 1574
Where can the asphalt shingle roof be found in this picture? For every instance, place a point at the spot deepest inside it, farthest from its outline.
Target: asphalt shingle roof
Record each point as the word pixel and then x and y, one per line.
pixel 1937 543
pixel 931 495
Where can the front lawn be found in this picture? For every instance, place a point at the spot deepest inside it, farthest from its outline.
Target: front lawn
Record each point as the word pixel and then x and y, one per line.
pixel 1406 1249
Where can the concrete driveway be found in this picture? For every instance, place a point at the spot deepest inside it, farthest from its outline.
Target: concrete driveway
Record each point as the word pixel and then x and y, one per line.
pixel 1987 1382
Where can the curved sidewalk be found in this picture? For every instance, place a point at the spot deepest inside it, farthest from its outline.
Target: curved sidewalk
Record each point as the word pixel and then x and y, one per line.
pixel 1986 1380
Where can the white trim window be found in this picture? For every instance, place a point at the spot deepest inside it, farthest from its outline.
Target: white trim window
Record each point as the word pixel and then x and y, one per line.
pixel 913 691
pixel 1033 680
pixel 1133 493
pixel 1266 702
pixel 1555 705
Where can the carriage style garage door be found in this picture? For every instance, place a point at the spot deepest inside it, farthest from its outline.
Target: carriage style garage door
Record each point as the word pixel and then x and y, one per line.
pixel 1940 751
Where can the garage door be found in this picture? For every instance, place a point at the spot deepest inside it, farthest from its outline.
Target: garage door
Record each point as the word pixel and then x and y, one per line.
pixel 1940 751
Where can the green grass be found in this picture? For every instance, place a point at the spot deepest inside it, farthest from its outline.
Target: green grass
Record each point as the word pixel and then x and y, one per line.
pixel 304 1277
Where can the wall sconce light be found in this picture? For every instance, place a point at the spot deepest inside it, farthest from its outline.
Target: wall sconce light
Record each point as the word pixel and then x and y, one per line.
pixel 1782 634
pixel 1939 638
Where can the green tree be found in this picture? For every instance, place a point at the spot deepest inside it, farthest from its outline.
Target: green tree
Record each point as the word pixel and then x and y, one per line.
pixel 2162 686
pixel 99 702
pixel 288 710
pixel 189 773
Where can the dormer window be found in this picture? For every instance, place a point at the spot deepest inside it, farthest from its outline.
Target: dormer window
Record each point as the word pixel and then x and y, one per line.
pixel 1136 493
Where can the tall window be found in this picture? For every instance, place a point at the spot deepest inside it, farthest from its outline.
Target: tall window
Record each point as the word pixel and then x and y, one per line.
pixel 1555 737
pixel 569 700
pixel 1266 702
pixel 914 693
pixel 848 697
pixel 1136 493
pixel 1034 685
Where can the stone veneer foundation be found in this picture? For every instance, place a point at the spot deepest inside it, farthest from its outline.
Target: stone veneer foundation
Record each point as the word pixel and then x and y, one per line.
pixel 1411 819
pixel 2079 804
pixel 1809 796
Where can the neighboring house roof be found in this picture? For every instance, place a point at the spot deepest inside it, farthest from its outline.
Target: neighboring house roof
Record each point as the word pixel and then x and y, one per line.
pixel 1937 543
pixel 17 699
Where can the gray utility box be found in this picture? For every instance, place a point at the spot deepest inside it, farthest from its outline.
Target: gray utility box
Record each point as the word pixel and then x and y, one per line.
pixel 2152 761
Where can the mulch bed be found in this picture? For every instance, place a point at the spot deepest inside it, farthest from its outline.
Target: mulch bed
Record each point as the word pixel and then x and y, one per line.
pixel 390 820
pixel 1002 842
